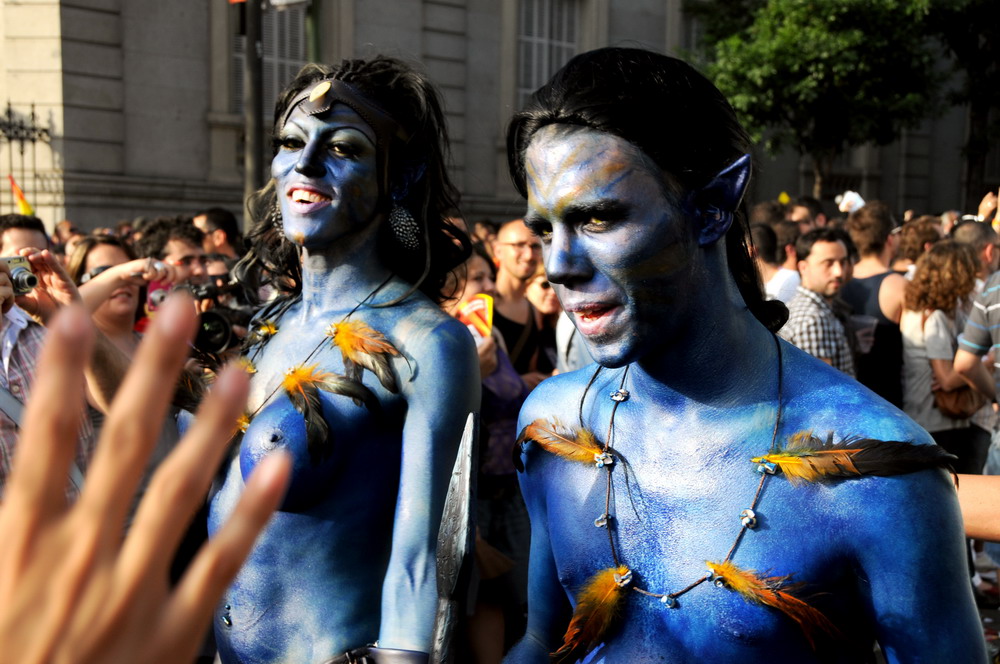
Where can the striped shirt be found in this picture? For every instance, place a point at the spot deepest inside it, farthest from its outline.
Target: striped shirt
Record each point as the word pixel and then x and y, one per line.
pixel 21 341
pixel 813 327
pixel 982 329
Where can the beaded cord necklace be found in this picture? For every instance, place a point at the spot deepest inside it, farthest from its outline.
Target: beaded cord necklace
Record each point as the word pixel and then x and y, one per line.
pixel 802 459
pixel 748 517
pixel 364 348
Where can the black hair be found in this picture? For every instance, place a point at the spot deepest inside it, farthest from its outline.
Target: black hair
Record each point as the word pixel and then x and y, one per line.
pixel 804 245
pixel 24 221
pixel 158 232
pixel 808 202
pixel 412 101
pixel 766 243
pixel 673 114
pixel 218 218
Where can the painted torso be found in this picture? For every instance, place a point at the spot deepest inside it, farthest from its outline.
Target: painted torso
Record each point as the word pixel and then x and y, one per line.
pixel 313 585
pixel 689 476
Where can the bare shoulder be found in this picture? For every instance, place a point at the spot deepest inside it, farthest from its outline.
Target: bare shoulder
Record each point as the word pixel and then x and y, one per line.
pixel 556 398
pixel 826 401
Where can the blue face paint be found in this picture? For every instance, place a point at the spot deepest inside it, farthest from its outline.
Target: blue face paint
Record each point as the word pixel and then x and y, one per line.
pixel 616 245
pixel 326 176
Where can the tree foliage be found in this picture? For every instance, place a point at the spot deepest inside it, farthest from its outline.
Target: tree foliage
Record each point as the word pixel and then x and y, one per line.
pixel 967 29
pixel 821 76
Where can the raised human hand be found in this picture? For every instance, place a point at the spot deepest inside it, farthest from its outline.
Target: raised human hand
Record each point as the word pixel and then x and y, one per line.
pixel 987 206
pixel 71 589
pixel 55 289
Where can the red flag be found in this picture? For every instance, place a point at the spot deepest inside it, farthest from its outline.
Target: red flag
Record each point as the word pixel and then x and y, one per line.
pixel 23 206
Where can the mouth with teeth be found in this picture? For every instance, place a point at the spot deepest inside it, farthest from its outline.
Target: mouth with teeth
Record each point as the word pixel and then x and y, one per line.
pixel 305 201
pixel 594 318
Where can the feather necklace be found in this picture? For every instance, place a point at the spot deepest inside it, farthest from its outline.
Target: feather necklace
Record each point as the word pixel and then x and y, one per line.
pixel 802 459
pixel 361 347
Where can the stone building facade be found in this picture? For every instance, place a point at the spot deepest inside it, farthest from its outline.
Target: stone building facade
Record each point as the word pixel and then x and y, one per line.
pixel 142 98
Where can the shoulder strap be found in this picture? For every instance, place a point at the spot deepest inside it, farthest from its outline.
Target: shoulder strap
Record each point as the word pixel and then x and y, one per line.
pixel 14 409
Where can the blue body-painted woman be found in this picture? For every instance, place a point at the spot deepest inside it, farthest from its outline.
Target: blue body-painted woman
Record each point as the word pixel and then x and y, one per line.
pixel 349 559
pixel 631 164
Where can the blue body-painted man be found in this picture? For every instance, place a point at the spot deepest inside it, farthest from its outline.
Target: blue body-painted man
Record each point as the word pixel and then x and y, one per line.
pixel 349 559
pixel 633 167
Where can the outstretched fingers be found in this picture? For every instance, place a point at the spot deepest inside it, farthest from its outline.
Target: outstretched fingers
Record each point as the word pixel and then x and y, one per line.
pixel 181 483
pixel 134 422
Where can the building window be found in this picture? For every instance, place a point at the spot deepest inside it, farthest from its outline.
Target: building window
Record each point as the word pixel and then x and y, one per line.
pixel 547 39
pixel 283 33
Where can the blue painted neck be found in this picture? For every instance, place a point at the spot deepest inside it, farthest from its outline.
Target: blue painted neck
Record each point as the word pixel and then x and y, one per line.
pixel 338 276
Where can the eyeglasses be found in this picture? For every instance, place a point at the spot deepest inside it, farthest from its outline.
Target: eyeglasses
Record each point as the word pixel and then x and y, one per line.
pixel 519 247
pixel 93 273
pixel 188 261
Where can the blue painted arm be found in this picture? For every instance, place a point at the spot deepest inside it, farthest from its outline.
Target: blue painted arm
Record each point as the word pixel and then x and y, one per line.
pixel 439 399
pixel 913 563
pixel 549 609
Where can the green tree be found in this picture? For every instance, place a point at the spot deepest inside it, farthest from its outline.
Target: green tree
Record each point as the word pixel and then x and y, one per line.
pixel 822 76
pixel 968 28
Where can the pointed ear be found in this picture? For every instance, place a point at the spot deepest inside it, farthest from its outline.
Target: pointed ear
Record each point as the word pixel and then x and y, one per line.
pixel 409 176
pixel 716 203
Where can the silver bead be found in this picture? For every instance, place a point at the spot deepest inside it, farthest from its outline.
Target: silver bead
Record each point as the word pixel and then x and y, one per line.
pixel 719 582
pixel 623 579
pixel 620 395
pixel 601 521
pixel 767 467
pixel 227 621
pixel 603 459
pixel 748 518
pixel 669 602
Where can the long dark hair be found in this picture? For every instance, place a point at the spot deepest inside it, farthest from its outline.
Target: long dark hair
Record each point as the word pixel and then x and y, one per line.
pixel 414 104
pixel 670 112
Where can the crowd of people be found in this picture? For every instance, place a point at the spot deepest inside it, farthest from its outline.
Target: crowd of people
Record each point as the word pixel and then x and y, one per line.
pixel 355 304
pixel 899 307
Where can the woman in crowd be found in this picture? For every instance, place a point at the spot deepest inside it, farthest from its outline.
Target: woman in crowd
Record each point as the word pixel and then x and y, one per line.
pixel 547 312
pixel 110 280
pixel 497 618
pixel 355 369
pixel 932 319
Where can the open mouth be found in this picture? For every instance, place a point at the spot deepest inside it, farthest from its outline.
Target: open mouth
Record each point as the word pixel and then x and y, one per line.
pixel 306 196
pixel 593 319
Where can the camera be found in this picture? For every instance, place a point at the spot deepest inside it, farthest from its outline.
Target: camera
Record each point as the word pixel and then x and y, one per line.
pixel 21 277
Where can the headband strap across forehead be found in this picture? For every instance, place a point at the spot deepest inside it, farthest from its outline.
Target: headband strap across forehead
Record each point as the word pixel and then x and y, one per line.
pixel 321 97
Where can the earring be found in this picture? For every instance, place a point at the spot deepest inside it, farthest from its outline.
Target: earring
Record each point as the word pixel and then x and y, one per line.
pixel 276 215
pixel 404 226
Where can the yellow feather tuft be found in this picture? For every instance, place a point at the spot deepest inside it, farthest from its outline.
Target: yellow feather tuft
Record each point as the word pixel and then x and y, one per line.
pixel 354 337
pixel 246 365
pixel 299 376
pixel 773 591
pixel 597 606
pixel 575 444
pixel 243 422
pixel 804 459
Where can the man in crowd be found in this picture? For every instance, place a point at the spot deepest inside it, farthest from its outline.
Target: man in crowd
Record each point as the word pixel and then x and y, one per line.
pixel 517 252
pixel 876 292
pixel 807 212
pixel 222 232
pixel 176 242
pixel 983 239
pixel 812 324
pixel 18 231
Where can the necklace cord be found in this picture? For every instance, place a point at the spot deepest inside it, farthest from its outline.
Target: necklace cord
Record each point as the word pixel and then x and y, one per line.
pixel 744 525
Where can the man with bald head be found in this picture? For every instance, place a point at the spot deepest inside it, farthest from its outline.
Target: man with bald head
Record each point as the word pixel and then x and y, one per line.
pixel 517 253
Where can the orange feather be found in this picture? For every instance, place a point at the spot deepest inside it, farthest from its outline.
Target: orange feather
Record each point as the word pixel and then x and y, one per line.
pixel 773 591
pixel 597 606
pixel 363 346
pixel 575 444
pixel 806 459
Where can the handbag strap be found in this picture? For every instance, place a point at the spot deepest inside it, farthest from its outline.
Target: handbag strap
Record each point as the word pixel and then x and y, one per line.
pixel 14 410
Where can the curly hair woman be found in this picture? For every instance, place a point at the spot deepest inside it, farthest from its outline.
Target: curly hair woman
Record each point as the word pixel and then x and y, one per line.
pixel 933 316
pixel 358 374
